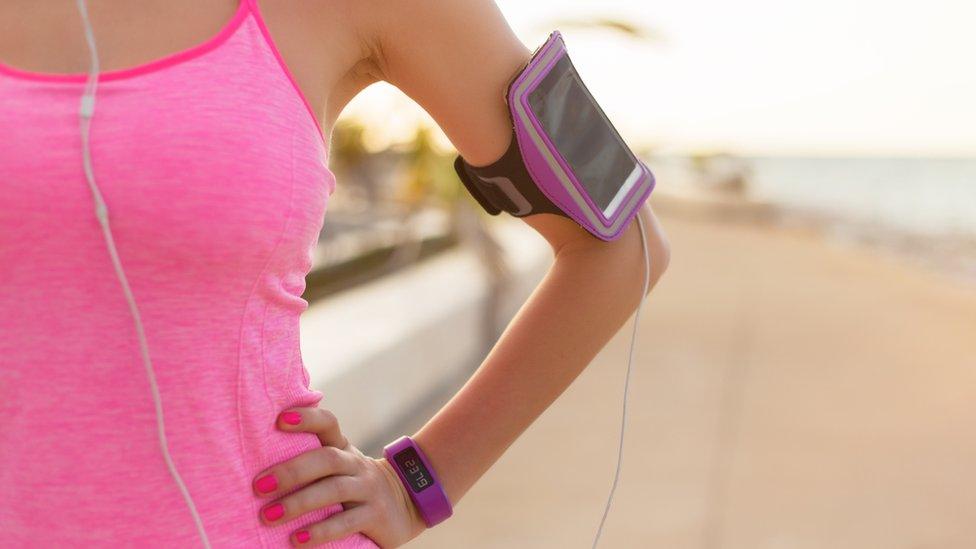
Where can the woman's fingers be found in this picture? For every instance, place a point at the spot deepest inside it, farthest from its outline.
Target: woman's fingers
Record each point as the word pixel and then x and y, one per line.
pixel 325 492
pixel 337 472
pixel 304 468
pixel 313 420
pixel 337 526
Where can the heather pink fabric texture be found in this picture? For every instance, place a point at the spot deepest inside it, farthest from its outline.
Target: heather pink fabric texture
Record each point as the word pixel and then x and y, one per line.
pixel 216 179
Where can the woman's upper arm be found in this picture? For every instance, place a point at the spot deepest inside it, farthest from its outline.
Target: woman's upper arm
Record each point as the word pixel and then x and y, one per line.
pixel 455 58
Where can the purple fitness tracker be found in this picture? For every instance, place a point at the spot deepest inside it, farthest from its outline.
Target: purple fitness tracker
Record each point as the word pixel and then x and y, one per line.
pixel 418 476
pixel 565 156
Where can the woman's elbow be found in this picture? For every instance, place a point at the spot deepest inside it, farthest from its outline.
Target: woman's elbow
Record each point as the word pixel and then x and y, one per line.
pixel 623 258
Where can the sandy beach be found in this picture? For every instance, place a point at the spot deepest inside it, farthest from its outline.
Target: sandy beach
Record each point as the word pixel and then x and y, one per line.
pixel 786 393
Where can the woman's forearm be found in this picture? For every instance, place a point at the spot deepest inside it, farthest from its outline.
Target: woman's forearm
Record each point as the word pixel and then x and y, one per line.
pixel 587 295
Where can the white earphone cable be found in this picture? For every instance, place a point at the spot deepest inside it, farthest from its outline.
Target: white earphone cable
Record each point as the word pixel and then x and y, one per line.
pixel 86 111
pixel 623 416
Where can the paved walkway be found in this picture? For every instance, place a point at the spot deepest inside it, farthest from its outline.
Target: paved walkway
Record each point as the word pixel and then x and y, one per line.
pixel 785 395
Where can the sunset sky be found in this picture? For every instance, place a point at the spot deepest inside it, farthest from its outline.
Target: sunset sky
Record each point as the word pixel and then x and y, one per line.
pixel 845 77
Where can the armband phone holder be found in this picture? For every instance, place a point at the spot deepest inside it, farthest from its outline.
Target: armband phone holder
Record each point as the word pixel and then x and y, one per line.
pixel 565 156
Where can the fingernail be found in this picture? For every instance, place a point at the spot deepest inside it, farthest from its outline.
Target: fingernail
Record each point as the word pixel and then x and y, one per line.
pixel 291 418
pixel 267 483
pixel 302 536
pixel 274 512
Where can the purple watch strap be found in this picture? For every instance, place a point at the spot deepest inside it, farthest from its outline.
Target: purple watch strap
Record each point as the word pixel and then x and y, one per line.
pixel 416 474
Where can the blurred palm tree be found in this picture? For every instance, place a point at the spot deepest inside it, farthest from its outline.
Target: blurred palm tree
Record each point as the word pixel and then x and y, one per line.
pixel 428 175
pixel 350 160
pixel 625 28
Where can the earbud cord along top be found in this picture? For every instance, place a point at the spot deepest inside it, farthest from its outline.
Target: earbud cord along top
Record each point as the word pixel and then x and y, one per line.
pixel 86 111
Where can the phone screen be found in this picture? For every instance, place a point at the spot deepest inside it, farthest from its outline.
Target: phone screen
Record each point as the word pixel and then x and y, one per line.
pixel 584 136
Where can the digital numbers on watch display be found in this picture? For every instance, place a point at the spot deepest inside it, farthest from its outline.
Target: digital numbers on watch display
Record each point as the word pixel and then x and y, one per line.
pixel 413 469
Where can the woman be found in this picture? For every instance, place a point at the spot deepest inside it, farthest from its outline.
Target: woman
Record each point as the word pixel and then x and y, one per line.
pixel 208 143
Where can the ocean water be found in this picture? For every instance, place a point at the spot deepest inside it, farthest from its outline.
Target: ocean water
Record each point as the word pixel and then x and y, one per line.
pixel 919 196
pixel 930 197
pixel 921 209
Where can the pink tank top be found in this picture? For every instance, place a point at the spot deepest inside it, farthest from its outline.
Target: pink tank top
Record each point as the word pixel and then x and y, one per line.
pixel 214 170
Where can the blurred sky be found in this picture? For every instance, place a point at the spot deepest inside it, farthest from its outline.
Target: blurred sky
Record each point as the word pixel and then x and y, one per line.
pixel 832 77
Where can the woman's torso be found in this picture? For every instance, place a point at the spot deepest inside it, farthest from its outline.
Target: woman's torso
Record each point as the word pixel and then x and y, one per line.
pixel 215 174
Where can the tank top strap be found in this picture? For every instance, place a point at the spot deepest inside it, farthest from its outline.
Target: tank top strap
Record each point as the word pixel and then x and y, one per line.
pixel 255 10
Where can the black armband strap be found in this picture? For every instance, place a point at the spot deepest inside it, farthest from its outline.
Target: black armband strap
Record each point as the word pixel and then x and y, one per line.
pixel 505 185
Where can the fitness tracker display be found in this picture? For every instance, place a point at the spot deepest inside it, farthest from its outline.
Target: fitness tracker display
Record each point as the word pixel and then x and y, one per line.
pixel 565 156
pixel 416 474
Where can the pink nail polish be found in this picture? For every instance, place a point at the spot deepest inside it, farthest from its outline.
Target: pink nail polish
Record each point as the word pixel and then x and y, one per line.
pixel 274 512
pixel 267 483
pixel 291 418
pixel 302 536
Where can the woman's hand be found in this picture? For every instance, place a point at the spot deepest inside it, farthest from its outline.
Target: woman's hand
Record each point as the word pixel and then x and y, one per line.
pixel 375 501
